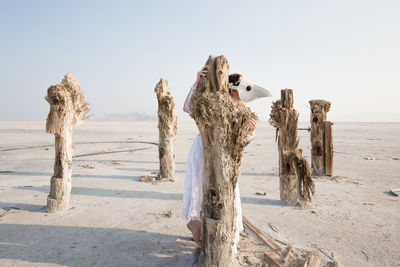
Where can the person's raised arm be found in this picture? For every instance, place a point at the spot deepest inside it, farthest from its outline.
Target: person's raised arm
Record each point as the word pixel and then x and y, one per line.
pixel 201 73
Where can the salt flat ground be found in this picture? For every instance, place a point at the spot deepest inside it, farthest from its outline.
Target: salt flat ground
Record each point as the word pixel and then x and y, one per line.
pixel 116 220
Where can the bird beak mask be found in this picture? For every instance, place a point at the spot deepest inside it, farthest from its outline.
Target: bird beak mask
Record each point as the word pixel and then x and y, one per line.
pixel 249 91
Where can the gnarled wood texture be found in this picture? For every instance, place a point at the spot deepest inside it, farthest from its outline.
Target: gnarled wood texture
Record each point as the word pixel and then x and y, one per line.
pixel 224 124
pixel 68 108
pixel 328 148
pixel 321 152
pixel 294 171
pixel 167 126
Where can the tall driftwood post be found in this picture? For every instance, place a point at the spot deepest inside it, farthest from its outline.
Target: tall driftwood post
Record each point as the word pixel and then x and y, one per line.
pixel 224 124
pixel 294 171
pixel 167 126
pixel 328 148
pixel 68 108
pixel 321 138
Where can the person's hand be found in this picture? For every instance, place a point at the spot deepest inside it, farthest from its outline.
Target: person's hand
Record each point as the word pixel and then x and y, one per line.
pixel 202 73
pixel 253 127
pixel 195 227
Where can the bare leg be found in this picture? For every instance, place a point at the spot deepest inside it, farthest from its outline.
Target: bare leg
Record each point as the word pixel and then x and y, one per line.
pixel 195 227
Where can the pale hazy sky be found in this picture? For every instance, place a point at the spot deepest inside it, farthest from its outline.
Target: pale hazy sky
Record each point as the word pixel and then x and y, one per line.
pixel 347 52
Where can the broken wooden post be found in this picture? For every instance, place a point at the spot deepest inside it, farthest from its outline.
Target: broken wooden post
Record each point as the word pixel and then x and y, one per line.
pixel 321 138
pixel 224 124
pixel 68 108
pixel 328 148
pixel 294 171
pixel 167 126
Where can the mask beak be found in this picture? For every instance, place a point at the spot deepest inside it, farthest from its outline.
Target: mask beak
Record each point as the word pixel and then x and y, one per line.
pixel 249 91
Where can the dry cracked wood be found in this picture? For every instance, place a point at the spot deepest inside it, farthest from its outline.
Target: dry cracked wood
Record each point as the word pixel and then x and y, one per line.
pixel 295 184
pixel 321 138
pixel 224 125
pixel 167 126
pixel 276 255
pixel 68 108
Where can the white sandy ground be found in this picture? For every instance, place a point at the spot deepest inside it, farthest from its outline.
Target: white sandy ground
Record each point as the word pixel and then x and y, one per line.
pixel 115 220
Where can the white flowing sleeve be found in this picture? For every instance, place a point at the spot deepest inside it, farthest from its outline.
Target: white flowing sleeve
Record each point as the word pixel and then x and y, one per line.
pixel 186 106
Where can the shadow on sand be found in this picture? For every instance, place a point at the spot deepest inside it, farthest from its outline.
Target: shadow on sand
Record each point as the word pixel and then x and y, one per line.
pixel 18 173
pixel 25 207
pixel 144 170
pixel 125 160
pixel 47 174
pixel 86 246
pixel 130 193
pixel 143 194
pixel 259 174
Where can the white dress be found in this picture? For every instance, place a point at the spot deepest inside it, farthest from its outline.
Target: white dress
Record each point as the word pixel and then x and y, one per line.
pixel 193 189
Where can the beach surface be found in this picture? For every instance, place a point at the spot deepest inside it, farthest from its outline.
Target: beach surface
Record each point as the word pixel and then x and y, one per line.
pixel 116 220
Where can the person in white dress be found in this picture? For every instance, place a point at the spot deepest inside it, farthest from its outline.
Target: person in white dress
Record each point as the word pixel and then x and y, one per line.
pixel 193 195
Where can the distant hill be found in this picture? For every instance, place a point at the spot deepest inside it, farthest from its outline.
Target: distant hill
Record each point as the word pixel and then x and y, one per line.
pixel 135 116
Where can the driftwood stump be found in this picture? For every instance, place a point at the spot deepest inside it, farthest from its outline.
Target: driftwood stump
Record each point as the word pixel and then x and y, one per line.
pixel 167 126
pixel 321 138
pixel 224 124
pixel 294 171
pixel 68 108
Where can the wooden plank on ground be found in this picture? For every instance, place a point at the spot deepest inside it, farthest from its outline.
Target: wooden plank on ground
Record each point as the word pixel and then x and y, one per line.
pixel 263 236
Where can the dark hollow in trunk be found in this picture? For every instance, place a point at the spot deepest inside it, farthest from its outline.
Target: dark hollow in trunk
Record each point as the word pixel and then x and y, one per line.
pixel 224 125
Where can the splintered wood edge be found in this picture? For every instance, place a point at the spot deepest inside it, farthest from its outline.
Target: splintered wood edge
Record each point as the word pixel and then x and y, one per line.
pixel 263 236
pixel 278 255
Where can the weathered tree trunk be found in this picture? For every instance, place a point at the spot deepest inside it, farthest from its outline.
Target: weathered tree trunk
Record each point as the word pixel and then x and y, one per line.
pixel 321 152
pixel 224 124
pixel 294 171
pixel 328 148
pixel 167 126
pixel 67 109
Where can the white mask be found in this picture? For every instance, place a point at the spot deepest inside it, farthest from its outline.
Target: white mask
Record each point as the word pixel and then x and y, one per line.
pixel 249 91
